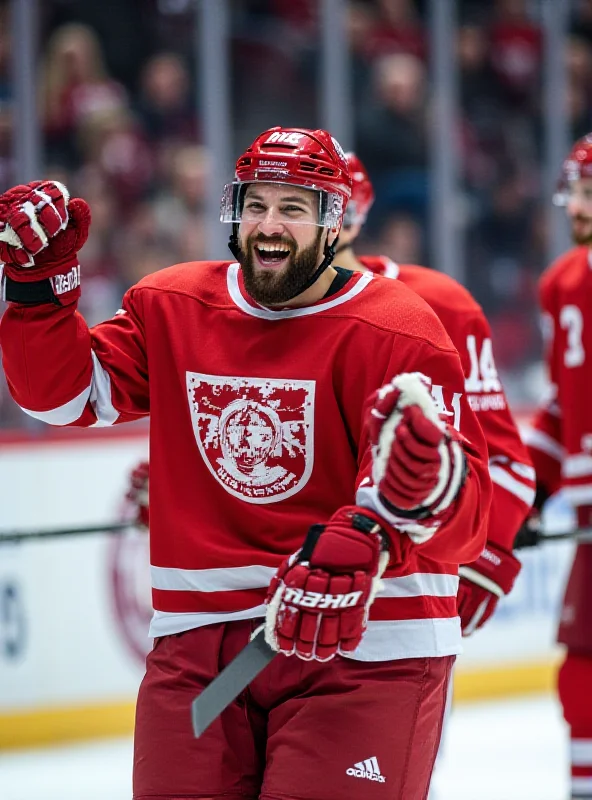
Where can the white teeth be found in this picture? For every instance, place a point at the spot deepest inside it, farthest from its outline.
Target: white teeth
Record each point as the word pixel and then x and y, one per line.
pixel 272 248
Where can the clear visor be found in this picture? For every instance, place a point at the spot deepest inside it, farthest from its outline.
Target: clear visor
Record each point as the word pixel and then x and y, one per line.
pixel 281 202
pixel 352 216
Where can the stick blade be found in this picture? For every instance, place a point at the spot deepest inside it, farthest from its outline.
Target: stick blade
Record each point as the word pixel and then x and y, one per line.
pixel 233 679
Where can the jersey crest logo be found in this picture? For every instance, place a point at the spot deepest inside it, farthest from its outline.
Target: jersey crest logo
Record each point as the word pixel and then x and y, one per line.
pixel 254 434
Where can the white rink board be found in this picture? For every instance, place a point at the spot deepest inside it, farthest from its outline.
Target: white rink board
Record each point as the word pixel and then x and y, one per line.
pixel 61 636
pixel 60 640
pixel 524 625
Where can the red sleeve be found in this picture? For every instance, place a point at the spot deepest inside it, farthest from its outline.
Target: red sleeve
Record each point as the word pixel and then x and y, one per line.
pixel 63 373
pixel 543 437
pixel 510 466
pixel 462 535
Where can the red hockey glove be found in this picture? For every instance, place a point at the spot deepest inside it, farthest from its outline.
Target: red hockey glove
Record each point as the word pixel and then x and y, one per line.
pixel 41 232
pixel 137 493
pixel 482 583
pixel 418 464
pixel 318 602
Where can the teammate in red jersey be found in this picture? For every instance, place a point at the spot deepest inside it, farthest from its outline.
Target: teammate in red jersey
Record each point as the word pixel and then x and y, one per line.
pixel 268 420
pixel 493 574
pixel 560 443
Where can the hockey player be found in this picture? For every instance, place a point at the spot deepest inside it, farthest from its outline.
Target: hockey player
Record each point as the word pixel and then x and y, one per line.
pixel 492 575
pixel 284 396
pixel 560 444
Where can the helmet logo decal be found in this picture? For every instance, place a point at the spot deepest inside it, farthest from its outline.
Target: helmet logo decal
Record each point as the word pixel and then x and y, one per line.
pixel 255 435
pixel 338 148
pixel 285 136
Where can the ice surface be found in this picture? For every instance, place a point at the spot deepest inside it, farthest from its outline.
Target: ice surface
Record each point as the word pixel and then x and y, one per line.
pixel 507 750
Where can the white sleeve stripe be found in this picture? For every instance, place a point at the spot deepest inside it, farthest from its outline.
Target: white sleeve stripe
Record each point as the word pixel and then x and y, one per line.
pixel 578 465
pixel 476 577
pixel 578 495
pixel 100 395
pixel 367 496
pixel 523 470
pixel 502 478
pixel 543 442
pixel 63 415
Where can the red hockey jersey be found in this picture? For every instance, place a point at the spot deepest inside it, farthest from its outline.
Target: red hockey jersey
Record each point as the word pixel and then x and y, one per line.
pixel 510 466
pixel 256 433
pixel 560 439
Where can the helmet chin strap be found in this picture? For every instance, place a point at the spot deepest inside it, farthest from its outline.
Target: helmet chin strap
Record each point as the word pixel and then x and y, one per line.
pixel 328 256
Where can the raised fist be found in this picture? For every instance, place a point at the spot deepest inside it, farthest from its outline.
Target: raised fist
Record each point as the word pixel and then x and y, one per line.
pixel 41 232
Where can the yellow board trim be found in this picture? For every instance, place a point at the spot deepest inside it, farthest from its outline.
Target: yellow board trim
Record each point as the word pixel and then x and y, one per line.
pixel 48 726
pixel 506 680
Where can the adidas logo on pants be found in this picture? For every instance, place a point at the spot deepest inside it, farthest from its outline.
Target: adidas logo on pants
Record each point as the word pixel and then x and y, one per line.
pixel 368 769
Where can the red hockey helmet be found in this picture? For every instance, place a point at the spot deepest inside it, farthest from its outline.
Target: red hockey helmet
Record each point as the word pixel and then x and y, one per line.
pixel 362 195
pixel 297 156
pixel 578 164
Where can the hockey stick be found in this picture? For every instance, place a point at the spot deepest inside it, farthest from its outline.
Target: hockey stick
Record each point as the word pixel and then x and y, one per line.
pixel 534 537
pixel 54 533
pixel 253 658
pixel 229 683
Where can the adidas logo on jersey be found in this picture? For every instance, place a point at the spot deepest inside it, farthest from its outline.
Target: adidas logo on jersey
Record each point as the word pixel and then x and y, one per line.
pixel 368 769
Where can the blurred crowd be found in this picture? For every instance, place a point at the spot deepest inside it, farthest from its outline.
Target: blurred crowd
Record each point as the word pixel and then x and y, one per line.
pixel 117 101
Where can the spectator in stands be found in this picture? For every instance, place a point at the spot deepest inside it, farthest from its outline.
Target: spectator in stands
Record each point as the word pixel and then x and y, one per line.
pixel 398 29
pixel 167 106
pixel 392 135
pixel 113 139
pixel 401 238
pixel 74 85
pixel 516 51
pixel 178 210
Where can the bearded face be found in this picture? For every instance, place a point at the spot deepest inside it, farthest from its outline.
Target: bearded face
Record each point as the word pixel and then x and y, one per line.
pixel 280 241
pixel 276 267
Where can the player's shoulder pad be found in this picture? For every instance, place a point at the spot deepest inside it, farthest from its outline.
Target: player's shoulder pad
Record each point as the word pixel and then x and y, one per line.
pixel 397 308
pixel 440 291
pixel 191 277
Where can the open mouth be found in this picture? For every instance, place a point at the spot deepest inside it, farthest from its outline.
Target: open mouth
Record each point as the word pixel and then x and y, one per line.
pixel 272 255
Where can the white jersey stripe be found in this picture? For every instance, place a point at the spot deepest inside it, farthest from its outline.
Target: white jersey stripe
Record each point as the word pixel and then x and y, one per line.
pixel 384 640
pixel 63 415
pixel 581 752
pixel 229 579
pixel 502 478
pixel 420 584
pixel 543 442
pixel 166 623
